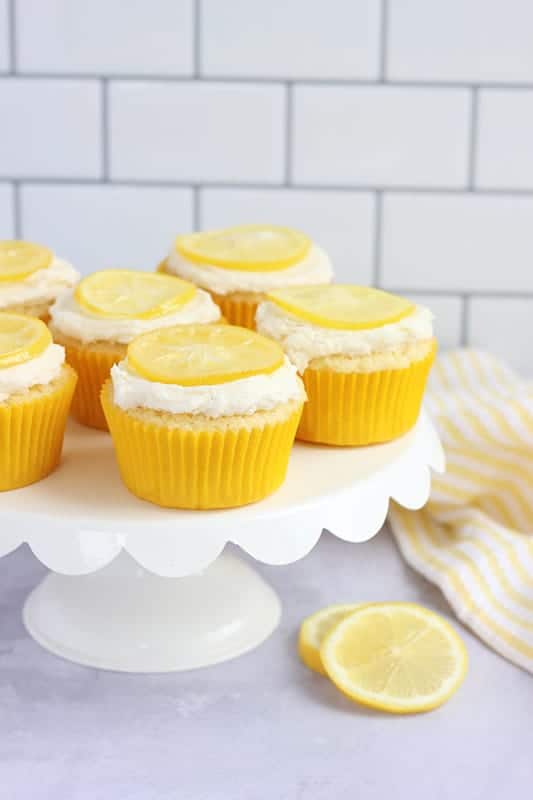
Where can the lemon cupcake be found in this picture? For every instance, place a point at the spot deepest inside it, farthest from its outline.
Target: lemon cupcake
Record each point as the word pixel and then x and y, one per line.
pixel 97 320
pixel 31 278
pixel 203 416
pixel 364 356
pixel 238 265
pixel 36 388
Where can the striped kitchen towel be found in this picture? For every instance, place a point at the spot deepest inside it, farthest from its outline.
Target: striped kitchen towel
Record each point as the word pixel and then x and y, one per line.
pixel 474 539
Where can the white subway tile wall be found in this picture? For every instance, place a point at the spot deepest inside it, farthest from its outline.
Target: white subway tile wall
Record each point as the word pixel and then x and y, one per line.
pixel 341 222
pixel 5 50
pixel 505 145
pixel 7 213
pixel 100 226
pixel 105 36
pixel 398 134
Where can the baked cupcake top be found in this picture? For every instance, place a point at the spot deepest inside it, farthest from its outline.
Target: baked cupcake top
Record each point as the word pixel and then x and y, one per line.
pixel 214 371
pixel 116 305
pixel 315 322
pixel 249 258
pixel 31 273
pixel 28 356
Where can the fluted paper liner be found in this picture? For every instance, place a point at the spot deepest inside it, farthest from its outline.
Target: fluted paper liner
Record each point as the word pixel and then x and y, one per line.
pixel 236 312
pixel 181 468
pixel 31 434
pixel 93 368
pixel 360 408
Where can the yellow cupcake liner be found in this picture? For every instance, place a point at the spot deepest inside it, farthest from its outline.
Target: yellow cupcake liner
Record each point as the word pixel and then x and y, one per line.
pixel 192 469
pixel 361 408
pixel 93 368
pixel 31 434
pixel 236 312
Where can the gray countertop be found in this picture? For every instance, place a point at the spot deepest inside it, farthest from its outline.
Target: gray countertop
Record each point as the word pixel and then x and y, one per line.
pixel 261 727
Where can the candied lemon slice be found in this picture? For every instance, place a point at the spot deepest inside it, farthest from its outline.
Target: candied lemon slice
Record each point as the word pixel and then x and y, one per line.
pixel 397 657
pixel 127 294
pixel 20 259
pixel 314 630
pixel 250 248
pixel 21 339
pixel 349 308
pixel 195 355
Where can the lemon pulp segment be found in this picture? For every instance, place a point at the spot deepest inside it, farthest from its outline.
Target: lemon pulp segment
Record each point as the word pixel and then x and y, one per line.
pixel 21 339
pixel 314 630
pixel 20 259
pixel 397 657
pixel 127 294
pixel 250 248
pixel 196 355
pixel 341 306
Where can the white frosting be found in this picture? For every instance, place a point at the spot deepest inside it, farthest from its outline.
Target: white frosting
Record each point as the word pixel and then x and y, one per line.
pixel 244 396
pixel 73 321
pixel 42 286
pixel 315 268
pixel 303 341
pixel 37 372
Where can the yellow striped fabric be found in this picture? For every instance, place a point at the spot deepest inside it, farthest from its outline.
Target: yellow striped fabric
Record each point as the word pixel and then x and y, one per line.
pixel 474 539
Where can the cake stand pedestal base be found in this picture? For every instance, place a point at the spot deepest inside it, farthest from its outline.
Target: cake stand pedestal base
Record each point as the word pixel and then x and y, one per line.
pixel 125 618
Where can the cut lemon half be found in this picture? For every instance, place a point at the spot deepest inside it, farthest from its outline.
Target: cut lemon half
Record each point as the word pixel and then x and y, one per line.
pixel 250 248
pixel 19 259
pixel 344 307
pixel 21 339
pixel 127 294
pixel 314 630
pixel 397 657
pixel 200 355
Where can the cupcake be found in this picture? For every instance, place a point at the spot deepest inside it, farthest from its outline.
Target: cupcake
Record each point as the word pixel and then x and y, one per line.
pixel 238 265
pixel 31 278
pixel 36 388
pixel 97 320
pixel 364 356
pixel 203 416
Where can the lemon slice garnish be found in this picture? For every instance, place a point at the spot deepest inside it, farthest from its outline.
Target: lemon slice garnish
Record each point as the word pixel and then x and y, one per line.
pixel 196 355
pixel 126 294
pixel 349 308
pixel 396 657
pixel 19 259
pixel 21 339
pixel 314 630
pixel 250 248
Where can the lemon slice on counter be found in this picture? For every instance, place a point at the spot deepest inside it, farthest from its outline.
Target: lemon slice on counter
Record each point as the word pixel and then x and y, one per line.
pixel 314 630
pixel 19 259
pixel 127 294
pixel 196 355
pixel 397 657
pixel 349 308
pixel 21 339
pixel 250 248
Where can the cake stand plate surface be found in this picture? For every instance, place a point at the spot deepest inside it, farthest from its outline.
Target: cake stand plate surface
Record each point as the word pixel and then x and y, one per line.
pixel 136 587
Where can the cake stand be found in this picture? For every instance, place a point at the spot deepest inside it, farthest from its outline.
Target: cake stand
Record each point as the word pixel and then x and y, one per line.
pixel 138 588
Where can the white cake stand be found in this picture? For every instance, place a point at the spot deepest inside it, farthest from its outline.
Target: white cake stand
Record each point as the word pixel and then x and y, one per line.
pixel 138 588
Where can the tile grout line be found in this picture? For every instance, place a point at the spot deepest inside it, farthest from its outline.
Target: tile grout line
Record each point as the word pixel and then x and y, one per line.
pixel 378 233
pixel 465 320
pixel 276 186
pixel 196 208
pixel 289 119
pixel 472 145
pixel 273 80
pixel 197 39
pixel 105 132
pixel 12 24
pixel 17 219
pixel 384 41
